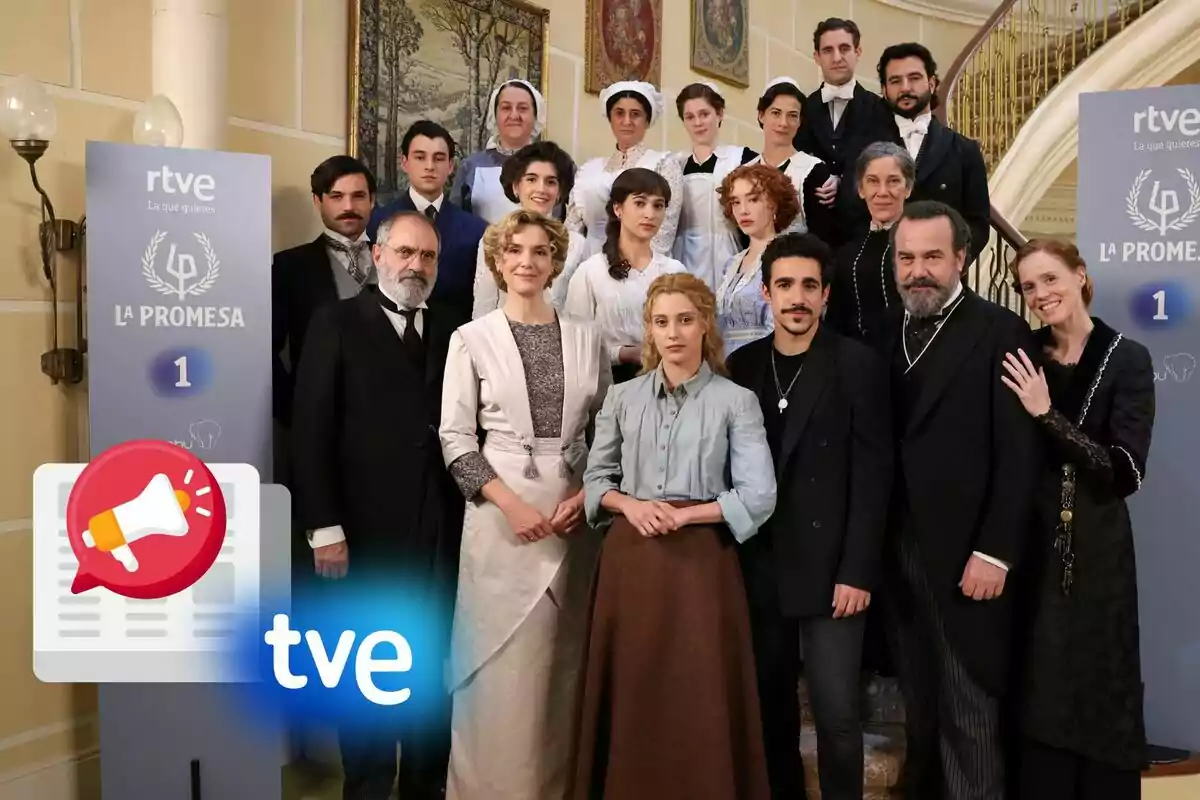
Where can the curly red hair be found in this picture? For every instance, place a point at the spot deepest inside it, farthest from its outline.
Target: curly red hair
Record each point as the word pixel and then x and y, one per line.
pixel 772 184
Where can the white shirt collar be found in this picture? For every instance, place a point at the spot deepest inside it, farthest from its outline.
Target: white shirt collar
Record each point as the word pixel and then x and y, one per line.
pixel 385 293
pixel 843 92
pixel 920 122
pixel 337 237
pixel 420 203
pixel 953 295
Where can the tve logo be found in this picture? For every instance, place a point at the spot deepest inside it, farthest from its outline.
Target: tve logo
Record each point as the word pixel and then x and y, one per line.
pixel 353 654
pixel 1185 121
pixel 281 638
pixel 199 186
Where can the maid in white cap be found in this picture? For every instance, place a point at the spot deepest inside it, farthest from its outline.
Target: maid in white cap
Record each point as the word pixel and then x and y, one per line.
pixel 630 108
pixel 706 239
pixel 780 111
pixel 516 116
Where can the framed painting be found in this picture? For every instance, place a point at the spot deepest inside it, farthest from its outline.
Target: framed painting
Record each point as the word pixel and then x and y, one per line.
pixel 721 41
pixel 623 42
pixel 436 60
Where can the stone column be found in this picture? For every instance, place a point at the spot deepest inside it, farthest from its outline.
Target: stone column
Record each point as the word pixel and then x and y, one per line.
pixel 191 66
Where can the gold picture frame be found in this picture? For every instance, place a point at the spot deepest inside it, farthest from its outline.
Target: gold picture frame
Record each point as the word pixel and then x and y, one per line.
pixel 721 40
pixel 408 61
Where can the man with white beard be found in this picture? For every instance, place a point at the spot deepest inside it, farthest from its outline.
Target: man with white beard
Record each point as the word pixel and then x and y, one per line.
pixel 965 464
pixel 372 492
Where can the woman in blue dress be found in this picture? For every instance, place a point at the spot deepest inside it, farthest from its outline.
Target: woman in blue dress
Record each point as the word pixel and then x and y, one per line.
pixel 761 201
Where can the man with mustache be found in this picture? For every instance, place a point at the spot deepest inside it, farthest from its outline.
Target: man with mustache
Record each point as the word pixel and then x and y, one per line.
pixel 335 265
pixel 966 460
pixel 950 167
pixel 382 514
pixel 811 570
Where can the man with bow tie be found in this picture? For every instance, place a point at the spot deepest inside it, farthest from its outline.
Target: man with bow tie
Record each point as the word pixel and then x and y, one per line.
pixel 950 167
pixel 428 159
pixel 381 514
pixel 965 459
pixel 841 118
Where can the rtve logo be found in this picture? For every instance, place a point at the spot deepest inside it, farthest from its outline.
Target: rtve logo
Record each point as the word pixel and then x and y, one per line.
pixel 1185 121
pixel 199 186
pixel 281 638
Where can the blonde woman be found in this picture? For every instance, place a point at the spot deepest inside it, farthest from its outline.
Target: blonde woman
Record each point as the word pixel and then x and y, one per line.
pixel 531 381
pixel 681 471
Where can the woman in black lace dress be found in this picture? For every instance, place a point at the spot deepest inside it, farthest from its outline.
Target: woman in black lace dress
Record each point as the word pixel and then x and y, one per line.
pixel 1081 698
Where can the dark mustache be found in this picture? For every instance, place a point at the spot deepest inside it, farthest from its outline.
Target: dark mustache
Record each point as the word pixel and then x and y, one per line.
pixel 800 308
pixel 909 97
pixel 922 283
pixel 349 215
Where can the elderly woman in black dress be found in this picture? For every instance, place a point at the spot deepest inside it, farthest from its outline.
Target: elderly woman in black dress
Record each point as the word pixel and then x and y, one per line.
pixel 1081 699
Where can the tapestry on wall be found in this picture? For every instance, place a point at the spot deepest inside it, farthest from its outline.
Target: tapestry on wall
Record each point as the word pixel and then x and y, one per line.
pixel 436 60
pixel 721 41
pixel 623 42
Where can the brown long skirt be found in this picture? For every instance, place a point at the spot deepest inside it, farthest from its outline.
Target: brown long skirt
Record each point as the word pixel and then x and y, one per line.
pixel 669 703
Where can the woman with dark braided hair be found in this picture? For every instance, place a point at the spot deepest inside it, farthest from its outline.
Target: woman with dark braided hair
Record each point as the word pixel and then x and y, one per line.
pixel 610 287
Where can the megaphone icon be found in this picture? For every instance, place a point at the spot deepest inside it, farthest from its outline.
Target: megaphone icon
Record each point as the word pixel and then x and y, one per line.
pixel 158 509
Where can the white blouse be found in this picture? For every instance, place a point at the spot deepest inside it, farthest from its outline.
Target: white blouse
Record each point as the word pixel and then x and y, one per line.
pixel 587 207
pixel 488 297
pixel 616 306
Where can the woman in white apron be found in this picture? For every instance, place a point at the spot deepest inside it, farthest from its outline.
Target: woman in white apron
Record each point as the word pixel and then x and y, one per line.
pixel 535 177
pixel 630 107
pixel 705 239
pixel 610 287
pixel 532 381
pixel 762 203
pixel 516 115
pixel 780 112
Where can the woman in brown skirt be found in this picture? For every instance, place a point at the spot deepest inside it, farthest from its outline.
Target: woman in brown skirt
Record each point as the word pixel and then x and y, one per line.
pixel 681 470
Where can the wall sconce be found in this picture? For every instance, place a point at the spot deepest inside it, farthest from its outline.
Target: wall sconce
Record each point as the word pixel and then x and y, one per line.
pixel 29 122
pixel 158 123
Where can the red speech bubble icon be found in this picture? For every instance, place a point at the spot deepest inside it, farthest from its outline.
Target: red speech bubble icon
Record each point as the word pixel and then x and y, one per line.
pixel 146 520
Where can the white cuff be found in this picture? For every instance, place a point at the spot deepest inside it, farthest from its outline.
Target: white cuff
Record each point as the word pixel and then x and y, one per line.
pixel 993 561
pixel 326 536
pixel 614 353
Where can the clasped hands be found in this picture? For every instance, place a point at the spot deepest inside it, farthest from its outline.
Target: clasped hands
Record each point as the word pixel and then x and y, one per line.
pixel 530 525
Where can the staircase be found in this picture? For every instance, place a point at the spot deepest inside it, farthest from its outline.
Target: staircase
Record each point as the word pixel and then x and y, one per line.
pixel 883 739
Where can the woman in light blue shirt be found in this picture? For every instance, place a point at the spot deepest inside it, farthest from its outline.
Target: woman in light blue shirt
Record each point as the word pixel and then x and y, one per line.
pixel 679 472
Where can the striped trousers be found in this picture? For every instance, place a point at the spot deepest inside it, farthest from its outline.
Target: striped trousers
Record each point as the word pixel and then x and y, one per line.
pixel 954 746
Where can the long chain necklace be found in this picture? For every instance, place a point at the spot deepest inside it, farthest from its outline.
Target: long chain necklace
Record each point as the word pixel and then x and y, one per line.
pixel 783 401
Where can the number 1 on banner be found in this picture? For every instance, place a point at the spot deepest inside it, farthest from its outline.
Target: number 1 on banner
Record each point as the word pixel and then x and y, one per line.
pixel 184 383
pixel 1161 298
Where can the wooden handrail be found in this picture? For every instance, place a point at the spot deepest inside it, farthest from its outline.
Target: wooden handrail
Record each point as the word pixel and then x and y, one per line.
pixel 947 82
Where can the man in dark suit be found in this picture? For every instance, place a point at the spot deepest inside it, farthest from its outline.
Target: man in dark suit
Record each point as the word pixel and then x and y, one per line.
pixel 950 167
pixel 811 570
pixel 333 266
pixel 841 117
pixel 967 453
pixel 428 157
pixel 379 508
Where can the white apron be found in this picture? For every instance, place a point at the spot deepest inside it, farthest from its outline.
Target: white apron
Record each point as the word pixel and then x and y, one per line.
pixel 706 239
pixel 799 165
pixel 521 611
pixel 594 185
pixel 487 196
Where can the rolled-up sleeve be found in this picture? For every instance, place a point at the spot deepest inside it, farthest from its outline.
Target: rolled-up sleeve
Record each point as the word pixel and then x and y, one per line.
pixel 751 501
pixel 603 473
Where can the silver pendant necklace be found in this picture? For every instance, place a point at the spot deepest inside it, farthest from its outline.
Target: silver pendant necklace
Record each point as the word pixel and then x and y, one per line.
pixel 783 401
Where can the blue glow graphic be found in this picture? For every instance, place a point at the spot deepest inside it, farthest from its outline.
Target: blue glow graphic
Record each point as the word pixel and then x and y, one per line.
pixel 181 372
pixel 385 635
pixel 1160 306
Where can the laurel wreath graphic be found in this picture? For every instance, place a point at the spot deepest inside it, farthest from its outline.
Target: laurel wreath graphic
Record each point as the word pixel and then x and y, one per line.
pixel 1133 209
pixel 211 274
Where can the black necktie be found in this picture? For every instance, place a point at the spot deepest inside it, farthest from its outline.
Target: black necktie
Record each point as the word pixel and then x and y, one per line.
pixel 411 339
pixel 352 251
pixel 431 212
pixel 918 333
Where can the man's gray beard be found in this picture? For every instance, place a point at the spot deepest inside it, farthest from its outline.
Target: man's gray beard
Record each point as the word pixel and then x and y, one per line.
pixel 922 304
pixel 407 291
